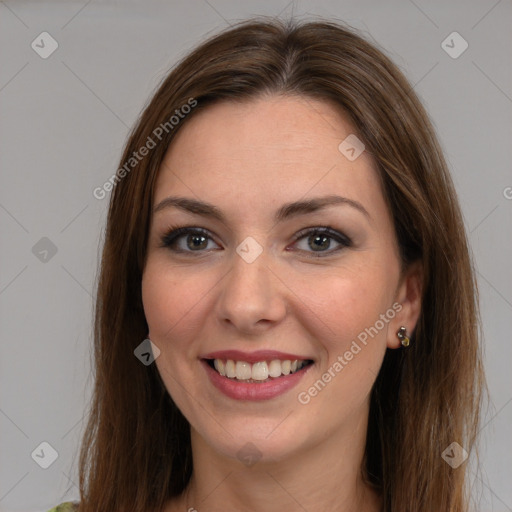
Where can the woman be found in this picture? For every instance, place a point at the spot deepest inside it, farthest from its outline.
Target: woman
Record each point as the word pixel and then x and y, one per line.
pixel 287 312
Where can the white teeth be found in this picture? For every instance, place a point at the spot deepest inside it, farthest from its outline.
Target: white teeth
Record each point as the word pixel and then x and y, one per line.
pixel 243 370
pixel 219 366
pixel 230 369
pixel 259 371
pixel 274 368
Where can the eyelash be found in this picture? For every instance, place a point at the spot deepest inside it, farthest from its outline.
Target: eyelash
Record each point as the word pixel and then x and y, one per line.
pixel 175 232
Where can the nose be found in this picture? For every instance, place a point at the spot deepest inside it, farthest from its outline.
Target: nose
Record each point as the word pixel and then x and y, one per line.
pixel 252 295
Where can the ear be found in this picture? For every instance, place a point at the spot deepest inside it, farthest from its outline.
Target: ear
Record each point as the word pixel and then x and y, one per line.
pixel 408 296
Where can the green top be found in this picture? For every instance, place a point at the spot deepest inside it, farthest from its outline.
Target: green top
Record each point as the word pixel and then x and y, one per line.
pixel 69 506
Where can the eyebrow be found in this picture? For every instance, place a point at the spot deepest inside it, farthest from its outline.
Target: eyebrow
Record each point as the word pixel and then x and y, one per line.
pixel 286 211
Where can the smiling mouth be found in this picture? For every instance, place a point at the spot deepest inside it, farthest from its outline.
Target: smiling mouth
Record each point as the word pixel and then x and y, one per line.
pixel 259 372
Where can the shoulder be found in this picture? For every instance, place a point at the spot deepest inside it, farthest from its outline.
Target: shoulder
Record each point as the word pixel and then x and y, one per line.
pixel 68 506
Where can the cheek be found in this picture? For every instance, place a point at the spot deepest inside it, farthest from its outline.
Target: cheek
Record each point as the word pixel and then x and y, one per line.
pixel 351 337
pixel 347 302
pixel 170 302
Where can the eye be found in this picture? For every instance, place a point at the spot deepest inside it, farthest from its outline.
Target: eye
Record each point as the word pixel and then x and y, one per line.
pixel 321 238
pixel 195 239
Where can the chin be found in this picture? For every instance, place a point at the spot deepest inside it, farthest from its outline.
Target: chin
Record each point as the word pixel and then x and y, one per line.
pixel 263 442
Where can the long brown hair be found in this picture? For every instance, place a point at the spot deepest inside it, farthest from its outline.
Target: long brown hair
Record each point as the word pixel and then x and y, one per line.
pixel 135 453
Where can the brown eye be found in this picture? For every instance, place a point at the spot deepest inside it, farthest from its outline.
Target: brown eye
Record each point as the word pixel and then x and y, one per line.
pixel 195 240
pixel 319 240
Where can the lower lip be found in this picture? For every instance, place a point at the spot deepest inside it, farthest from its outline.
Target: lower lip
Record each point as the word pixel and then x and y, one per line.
pixel 254 391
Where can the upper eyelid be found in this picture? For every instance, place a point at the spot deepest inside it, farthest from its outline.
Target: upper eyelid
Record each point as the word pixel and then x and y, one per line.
pixel 300 233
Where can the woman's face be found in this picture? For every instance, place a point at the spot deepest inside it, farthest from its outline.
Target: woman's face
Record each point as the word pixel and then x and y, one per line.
pixel 258 278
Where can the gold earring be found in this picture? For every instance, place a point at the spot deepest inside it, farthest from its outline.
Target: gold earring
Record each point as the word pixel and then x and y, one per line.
pixel 402 336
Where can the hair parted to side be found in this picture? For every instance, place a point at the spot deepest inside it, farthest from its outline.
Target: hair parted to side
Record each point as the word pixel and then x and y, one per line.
pixel 135 451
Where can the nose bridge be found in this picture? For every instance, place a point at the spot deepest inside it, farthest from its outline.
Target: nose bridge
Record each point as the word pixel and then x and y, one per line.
pixel 250 292
pixel 249 266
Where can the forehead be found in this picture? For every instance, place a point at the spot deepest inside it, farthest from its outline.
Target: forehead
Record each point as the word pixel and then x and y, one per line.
pixel 267 150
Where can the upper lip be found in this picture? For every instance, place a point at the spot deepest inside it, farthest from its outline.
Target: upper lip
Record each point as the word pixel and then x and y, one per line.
pixel 254 357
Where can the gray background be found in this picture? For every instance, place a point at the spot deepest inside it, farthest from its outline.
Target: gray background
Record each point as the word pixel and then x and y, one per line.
pixel 63 123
